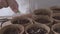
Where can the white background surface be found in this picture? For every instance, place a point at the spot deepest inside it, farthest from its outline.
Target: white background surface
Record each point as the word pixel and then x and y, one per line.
pixel 26 5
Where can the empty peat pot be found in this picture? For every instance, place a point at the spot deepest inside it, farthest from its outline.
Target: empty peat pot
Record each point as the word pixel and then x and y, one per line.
pixel 38 12
pixel 21 20
pixel 12 29
pixel 55 9
pixel 37 29
pixel 56 17
pixel 43 20
pixel 56 28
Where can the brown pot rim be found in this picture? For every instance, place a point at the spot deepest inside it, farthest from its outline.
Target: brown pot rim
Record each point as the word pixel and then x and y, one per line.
pixel 55 7
pixel 54 26
pixel 44 17
pixel 21 17
pixel 49 11
pixel 13 26
pixel 38 24
pixel 56 14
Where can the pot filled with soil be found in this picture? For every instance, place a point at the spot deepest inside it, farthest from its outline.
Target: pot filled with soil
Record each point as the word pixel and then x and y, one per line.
pixel 38 12
pixel 21 20
pixel 12 29
pixel 55 9
pixel 56 17
pixel 56 28
pixel 43 20
pixel 37 29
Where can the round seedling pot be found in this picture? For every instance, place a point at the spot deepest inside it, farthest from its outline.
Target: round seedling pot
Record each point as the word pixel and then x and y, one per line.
pixel 56 17
pixel 56 28
pixel 38 12
pixel 55 9
pixel 21 20
pixel 12 29
pixel 37 29
pixel 43 20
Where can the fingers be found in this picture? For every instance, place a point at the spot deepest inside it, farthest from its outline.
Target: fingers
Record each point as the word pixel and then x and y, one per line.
pixel 4 3
pixel 0 4
pixel 13 5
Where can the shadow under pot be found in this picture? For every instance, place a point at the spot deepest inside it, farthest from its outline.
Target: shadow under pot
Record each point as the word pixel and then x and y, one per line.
pixel 38 12
pixel 12 29
pixel 55 9
pixel 22 20
pixel 56 17
pixel 43 20
pixel 37 29
pixel 56 28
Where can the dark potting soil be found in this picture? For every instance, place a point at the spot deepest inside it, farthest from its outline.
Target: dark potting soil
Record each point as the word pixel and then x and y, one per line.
pixel 57 17
pixel 41 13
pixel 57 30
pixel 44 21
pixel 24 32
pixel 56 10
pixel 11 31
pixel 21 21
pixel 14 21
pixel 35 30
pixel 54 22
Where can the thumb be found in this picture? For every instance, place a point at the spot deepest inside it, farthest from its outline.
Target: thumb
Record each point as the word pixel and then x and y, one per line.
pixel 13 5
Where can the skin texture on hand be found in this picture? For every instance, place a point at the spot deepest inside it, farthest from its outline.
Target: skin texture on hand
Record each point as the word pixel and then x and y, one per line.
pixel 0 4
pixel 11 3
pixel 4 3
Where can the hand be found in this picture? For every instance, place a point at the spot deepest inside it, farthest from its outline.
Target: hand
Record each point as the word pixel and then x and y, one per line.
pixel 11 3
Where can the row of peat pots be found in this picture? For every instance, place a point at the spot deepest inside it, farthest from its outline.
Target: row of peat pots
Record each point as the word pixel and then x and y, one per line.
pixel 40 21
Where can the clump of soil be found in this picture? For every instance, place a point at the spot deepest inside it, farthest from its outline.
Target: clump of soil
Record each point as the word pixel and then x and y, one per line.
pixel 44 21
pixel 36 30
pixel 57 30
pixel 11 31
pixel 20 21
pixel 57 17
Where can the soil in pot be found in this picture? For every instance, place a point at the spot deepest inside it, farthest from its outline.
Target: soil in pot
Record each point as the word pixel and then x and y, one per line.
pixel 24 32
pixel 11 31
pixel 20 21
pixel 43 21
pixel 57 30
pixel 57 17
pixel 56 10
pixel 41 13
pixel 36 30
